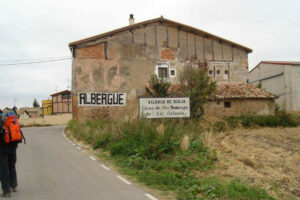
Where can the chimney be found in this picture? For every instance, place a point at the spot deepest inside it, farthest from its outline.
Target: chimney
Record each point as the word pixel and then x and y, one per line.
pixel 131 19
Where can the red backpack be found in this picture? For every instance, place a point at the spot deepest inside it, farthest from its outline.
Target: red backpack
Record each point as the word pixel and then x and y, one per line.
pixel 13 129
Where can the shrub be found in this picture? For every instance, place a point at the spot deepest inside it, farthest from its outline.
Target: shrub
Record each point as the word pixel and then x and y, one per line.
pixel 196 84
pixel 160 88
pixel 281 118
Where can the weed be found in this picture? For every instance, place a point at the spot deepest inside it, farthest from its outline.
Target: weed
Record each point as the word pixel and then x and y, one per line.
pixel 154 157
pixel 219 126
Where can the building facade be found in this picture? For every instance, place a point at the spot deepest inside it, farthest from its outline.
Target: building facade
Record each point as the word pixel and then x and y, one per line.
pixel 122 60
pixel 280 78
pixel 62 102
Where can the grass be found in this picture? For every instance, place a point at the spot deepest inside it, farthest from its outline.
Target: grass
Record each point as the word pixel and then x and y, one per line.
pixel 150 151
pixel 280 119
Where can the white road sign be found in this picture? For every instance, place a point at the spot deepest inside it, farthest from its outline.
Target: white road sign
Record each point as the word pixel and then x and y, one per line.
pixel 164 107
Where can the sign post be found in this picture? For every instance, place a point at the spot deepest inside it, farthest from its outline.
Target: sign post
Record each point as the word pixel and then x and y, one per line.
pixel 164 107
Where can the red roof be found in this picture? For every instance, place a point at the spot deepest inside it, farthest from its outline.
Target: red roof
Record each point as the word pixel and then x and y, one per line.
pixel 277 63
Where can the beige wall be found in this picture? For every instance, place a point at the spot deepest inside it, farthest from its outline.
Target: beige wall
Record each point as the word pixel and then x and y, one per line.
pixel 61 105
pixel 61 119
pixel 286 86
pixel 125 61
pixel 239 107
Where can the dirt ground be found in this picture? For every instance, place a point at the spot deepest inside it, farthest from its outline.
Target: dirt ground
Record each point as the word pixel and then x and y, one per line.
pixel 265 157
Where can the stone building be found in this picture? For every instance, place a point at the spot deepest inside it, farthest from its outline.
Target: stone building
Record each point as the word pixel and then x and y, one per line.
pixel 281 78
pixel 235 99
pixel 122 60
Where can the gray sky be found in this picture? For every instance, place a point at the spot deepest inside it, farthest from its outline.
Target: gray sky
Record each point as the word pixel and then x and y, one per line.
pixel 32 29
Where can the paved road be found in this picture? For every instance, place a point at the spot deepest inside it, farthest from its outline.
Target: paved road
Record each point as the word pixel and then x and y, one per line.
pixel 51 168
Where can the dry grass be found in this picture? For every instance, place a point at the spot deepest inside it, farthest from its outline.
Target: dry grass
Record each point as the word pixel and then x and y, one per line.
pixel 267 157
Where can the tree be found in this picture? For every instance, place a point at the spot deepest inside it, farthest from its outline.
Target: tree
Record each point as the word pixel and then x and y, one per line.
pixel 158 87
pixel 196 84
pixel 35 103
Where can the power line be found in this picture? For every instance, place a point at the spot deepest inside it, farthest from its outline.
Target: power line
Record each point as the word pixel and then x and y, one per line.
pixel 34 59
pixel 44 61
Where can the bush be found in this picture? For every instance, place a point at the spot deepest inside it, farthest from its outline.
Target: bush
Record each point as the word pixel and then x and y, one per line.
pixel 196 84
pixel 159 87
pixel 282 119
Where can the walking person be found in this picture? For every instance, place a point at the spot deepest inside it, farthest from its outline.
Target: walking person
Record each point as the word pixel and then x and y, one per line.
pixel 8 152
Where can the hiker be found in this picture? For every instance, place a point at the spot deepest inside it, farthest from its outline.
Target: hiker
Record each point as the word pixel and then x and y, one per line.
pixel 8 157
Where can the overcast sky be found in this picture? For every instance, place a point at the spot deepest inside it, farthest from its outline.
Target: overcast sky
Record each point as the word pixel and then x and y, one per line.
pixel 32 29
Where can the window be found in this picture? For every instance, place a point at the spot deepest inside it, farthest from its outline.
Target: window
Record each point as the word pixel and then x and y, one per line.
pixel 227 104
pixel 210 72
pixel 66 96
pixel 172 72
pixel 162 72
pixel 226 71
pixel 218 71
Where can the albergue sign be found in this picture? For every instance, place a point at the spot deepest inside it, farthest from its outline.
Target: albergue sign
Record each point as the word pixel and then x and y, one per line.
pixel 164 107
pixel 101 99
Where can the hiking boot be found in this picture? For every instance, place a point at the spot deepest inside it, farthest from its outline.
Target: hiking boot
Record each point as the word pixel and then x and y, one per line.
pixel 6 194
pixel 14 189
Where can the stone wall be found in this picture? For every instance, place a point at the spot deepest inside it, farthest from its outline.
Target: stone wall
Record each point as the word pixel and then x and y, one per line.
pixel 124 62
pixel 239 107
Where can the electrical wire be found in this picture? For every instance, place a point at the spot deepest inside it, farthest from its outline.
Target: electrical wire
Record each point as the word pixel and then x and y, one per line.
pixel 33 59
pixel 34 62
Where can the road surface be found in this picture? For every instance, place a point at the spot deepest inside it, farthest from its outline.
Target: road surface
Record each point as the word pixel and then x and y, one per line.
pixel 51 168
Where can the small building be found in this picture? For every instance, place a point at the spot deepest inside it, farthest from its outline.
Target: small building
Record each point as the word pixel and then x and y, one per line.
pixel 281 78
pixel 122 61
pixel 47 107
pixel 235 99
pixel 25 113
pixel 61 102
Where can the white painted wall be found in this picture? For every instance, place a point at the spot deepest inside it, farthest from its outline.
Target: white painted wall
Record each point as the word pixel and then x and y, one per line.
pixel 286 86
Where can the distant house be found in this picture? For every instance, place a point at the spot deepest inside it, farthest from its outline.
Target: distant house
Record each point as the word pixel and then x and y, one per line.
pixel 25 113
pixel 61 102
pixel 281 78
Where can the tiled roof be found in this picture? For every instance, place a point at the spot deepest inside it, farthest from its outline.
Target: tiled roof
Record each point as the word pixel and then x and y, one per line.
pixel 229 91
pixel 240 91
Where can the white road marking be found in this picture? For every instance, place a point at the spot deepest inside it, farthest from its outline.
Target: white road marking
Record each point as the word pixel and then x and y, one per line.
pixel 105 167
pixel 92 158
pixel 151 197
pixel 125 181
